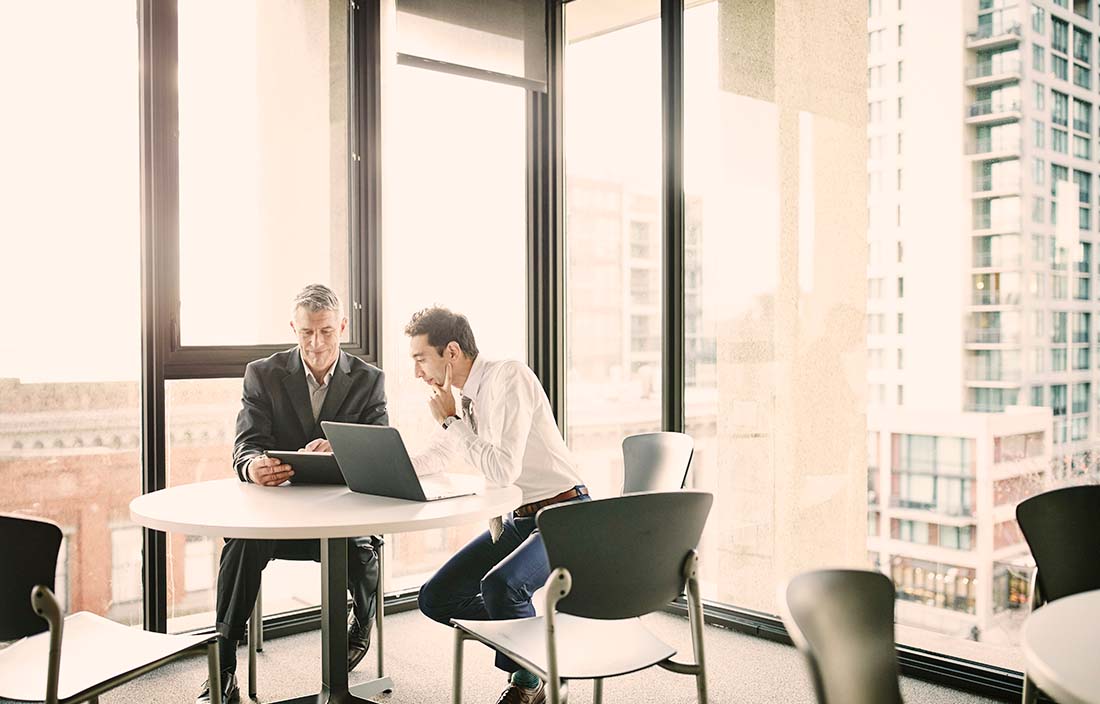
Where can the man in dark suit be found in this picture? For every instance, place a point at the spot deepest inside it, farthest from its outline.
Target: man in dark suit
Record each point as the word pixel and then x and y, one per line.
pixel 285 398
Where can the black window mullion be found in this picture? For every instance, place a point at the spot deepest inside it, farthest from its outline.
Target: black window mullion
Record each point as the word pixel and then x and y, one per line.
pixel 672 215
pixel 159 117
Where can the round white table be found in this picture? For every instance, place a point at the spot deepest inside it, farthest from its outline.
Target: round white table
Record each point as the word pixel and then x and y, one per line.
pixel 1061 642
pixel 229 508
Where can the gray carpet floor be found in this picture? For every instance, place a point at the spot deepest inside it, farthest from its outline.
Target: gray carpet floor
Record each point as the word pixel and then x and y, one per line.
pixel 741 668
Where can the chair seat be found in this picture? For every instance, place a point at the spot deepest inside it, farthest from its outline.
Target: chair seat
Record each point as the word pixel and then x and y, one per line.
pixel 93 650
pixel 587 648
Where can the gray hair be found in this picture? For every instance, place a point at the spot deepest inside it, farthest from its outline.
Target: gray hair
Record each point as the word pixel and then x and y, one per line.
pixel 316 298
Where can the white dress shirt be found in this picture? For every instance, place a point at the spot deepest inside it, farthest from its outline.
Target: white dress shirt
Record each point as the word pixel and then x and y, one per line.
pixel 317 390
pixel 517 440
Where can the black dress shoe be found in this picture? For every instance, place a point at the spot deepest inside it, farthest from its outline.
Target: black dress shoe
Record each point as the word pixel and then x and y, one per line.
pixel 358 642
pixel 231 693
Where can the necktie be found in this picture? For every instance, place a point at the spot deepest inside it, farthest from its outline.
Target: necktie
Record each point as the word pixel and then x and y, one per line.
pixel 496 523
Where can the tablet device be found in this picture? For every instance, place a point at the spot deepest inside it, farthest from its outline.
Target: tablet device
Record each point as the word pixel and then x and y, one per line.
pixel 311 467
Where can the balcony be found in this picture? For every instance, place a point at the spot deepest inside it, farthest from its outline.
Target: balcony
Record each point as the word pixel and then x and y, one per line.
pixel 997 148
pixel 993 72
pixel 985 185
pixel 994 35
pixel 995 298
pixel 993 111
pixel 991 336
pixel 989 260
pixel 978 376
pixel 958 511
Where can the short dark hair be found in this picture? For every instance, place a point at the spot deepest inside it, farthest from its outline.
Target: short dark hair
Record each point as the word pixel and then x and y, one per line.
pixel 442 327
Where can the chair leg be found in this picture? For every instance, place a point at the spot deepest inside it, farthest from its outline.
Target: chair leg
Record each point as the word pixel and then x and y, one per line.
pixel 1031 692
pixel 255 628
pixel 214 673
pixel 695 618
pixel 259 611
pixel 456 679
pixel 379 604
pixel 597 691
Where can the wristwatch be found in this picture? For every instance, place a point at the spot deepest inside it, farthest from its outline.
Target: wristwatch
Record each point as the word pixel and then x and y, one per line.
pixel 448 420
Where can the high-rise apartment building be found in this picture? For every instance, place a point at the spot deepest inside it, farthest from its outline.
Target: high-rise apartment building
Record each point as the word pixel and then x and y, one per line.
pixel 982 165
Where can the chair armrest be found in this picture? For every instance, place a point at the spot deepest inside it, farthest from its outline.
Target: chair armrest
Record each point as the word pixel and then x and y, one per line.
pixel 45 605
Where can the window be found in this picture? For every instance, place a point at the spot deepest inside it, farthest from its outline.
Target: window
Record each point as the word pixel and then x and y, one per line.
pixel 874 8
pixel 1059 140
pixel 1038 19
pixel 1082 76
pixel 900 102
pixel 1060 112
pixel 1038 166
pixel 262 160
pixel 899 71
pixel 901 287
pixel 1036 395
pixel 1059 40
pixel 1082 147
pixel 874 41
pixel 874 112
pixel 1059 67
pixel 612 152
pixel 1037 58
pixel 1082 43
pixel 1040 92
pixel 72 422
pixel 901 34
pixel 1038 131
pixel 1082 116
pixel 874 77
pixel 461 142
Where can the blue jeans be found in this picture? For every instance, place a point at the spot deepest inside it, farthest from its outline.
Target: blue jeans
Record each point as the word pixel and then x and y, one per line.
pixel 487 581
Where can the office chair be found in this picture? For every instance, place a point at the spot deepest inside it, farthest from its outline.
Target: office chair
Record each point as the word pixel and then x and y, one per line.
pixel 1062 528
pixel 843 622
pixel 656 461
pixel 599 588
pixel 75 658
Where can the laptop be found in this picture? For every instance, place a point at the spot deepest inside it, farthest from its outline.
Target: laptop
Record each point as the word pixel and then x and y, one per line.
pixel 373 460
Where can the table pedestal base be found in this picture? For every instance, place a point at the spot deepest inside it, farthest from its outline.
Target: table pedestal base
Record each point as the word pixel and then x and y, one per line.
pixel 358 693
pixel 334 643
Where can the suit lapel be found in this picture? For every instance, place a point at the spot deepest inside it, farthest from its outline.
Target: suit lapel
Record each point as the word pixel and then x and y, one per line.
pixel 295 383
pixel 338 388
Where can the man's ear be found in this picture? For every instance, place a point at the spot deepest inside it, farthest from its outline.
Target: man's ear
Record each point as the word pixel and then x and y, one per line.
pixel 453 351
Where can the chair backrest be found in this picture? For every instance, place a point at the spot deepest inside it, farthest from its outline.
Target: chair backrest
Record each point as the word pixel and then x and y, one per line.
pixel 28 553
pixel 625 554
pixel 1062 528
pixel 656 461
pixel 843 621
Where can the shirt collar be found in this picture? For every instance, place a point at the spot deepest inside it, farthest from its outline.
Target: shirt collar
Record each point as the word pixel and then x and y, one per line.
pixel 309 375
pixel 473 380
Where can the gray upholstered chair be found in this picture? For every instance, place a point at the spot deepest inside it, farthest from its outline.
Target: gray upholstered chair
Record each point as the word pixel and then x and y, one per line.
pixel 1062 528
pixel 62 659
pixel 598 588
pixel 843 622
pixel 656 461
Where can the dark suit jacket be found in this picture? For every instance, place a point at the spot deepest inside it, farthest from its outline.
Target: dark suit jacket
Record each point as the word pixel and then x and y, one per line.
pixel 275 409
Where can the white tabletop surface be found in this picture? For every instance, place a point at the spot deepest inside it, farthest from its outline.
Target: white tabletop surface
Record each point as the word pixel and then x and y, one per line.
pixel 1061 644
pixel 233 509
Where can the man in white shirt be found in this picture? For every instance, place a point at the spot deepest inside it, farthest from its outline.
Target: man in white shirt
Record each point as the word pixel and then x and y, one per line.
pixel 504 427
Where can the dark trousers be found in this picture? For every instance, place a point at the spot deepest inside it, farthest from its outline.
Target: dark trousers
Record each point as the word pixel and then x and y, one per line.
pixel 242 562
pixel 487 581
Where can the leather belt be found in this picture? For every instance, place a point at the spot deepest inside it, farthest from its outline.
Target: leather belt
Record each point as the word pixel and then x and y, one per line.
pixel 532 508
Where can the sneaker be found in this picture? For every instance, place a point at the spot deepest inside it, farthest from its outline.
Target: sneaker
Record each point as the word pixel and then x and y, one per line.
pixel 514 694
pixel 230 691
pixel 358 642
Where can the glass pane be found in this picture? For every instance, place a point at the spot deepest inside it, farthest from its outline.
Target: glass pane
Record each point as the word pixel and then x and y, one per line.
pixel 613 233
pixel 70 361
pixel 201 415
pixel 505 36
pixel 263 151
pixel 454 235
